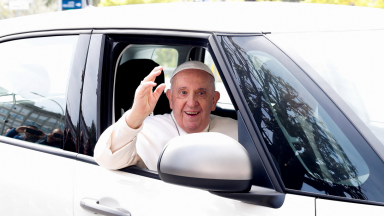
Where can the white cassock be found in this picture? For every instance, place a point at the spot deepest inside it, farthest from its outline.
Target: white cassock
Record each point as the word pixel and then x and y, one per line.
pixel 145 144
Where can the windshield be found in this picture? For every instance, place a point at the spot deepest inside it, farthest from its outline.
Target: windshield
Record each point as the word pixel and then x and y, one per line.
pixel 313 145
pixel 351 63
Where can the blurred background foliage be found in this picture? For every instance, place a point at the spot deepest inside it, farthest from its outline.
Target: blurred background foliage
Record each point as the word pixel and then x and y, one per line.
pixel 35 7
pixel 104 3
pixel 43 6
pixel 364 3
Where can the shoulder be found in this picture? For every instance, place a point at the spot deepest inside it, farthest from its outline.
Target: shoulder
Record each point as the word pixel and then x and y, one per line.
pixel 224 125
pixel 223 120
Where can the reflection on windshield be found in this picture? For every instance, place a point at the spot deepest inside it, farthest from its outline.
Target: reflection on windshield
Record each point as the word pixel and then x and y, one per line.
pixel 305 143
pixel 301 120
pixel 351 63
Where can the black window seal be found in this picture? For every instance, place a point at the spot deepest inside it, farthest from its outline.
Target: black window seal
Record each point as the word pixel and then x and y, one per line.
pixel 131 169
pixel 154 32
pixel 38 147
pixel 331 197
pixel 44 34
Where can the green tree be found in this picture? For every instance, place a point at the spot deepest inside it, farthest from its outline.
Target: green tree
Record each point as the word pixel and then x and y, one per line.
pixel 365 3
pixel 104 3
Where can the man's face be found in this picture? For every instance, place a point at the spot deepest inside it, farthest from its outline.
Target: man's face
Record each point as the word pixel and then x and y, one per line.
pixel 192 99
pixel 50 137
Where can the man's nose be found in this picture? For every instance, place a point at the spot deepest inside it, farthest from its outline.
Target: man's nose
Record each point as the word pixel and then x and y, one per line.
pixel 192 100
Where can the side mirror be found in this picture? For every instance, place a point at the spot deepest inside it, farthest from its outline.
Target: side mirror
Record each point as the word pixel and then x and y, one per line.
pixel 210 161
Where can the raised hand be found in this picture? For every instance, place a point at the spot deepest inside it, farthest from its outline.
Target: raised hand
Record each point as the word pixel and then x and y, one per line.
pixel 145 100
pixel 21 129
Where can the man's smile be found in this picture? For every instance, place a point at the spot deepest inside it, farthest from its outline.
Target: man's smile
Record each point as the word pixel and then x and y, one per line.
pixel 191 113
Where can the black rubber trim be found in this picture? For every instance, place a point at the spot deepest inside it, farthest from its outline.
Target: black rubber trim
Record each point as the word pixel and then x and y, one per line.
pixel 86 159
pixel 267 199
pixel 156 32
pixel 44 33
pixel 38 147
pixel 131 169
pixel 141 171
pixel 239 34
pixel 331 197
pixel 208 184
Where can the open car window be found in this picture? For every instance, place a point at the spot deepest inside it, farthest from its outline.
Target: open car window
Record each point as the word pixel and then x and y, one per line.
pixel 224 101
pixel 137 60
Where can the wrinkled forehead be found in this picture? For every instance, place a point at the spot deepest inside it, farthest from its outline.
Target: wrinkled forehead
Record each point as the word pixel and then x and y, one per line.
pixel 193 78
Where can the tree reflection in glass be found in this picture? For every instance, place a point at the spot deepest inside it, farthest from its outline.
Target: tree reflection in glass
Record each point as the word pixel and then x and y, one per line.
pixel 305 143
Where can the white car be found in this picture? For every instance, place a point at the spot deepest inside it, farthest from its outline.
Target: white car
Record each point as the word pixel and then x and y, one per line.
pixel 304 81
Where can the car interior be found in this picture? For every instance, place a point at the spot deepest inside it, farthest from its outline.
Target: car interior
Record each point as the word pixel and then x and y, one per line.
pixel 136 61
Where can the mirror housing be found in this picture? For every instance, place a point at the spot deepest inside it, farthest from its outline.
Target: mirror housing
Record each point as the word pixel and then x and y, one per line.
pixel 210 161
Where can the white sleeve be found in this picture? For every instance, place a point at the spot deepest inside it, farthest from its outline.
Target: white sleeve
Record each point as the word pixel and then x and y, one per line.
pixel 116 147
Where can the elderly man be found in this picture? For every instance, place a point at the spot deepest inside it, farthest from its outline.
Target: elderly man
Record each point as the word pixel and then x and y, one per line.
pixel 137 138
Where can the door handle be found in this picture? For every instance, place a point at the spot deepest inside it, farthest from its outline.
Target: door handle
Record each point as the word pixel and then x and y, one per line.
pixel 93 206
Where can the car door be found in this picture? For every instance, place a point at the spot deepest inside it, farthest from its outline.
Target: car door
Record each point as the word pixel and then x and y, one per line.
pixel 140 191
pixel 37 174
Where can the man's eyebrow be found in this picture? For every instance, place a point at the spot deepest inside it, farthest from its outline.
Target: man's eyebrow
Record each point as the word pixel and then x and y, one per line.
pixel 201 89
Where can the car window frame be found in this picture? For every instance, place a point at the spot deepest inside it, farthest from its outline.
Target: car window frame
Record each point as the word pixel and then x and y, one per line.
pixel 105 92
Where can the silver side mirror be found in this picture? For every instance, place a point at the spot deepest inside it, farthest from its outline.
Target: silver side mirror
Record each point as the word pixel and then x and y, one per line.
pixel 210 161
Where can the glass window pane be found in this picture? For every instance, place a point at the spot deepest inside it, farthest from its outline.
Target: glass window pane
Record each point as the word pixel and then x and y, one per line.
pixel 315 148
pixel 33 85
pixel 351 63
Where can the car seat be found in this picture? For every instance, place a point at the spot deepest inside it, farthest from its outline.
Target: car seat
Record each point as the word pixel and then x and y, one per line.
pixel 128 78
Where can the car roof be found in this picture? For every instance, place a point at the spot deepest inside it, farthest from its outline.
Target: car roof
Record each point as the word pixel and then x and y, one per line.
pixel 235 17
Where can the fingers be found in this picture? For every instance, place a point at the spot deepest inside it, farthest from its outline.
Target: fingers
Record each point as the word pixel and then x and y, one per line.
pixel 145 87
pixel 158 91
pixel 154 73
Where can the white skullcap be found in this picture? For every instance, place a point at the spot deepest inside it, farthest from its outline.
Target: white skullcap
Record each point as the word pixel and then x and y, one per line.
pixel 192 65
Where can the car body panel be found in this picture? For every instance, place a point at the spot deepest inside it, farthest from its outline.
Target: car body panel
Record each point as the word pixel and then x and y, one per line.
pixel 331 207
pixel 146 196
pixel 35 182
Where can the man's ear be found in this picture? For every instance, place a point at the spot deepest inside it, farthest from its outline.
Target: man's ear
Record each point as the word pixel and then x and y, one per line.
pixel 169 96
pixel 216 97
